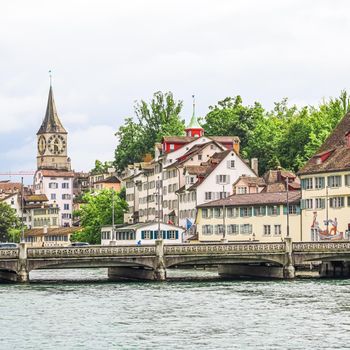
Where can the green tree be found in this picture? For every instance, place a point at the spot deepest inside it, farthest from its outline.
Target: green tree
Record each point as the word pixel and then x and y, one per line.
pixel 156 119
pixel 8 221
pixel 96 212
pixel 101 167
pixel 231 117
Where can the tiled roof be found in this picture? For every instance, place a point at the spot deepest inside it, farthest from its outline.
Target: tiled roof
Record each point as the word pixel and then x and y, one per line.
pixel 335 145
pixel 251 180
pixel 36 198
pixel 224 139
pixel 57 173
pixel 197 169
pixel 256 199
pixel 178 139
pixel 10 186
pixel 51 231
pixel 111 179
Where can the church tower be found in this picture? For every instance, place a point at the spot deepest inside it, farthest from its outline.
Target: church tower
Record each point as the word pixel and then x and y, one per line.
pixel 52 140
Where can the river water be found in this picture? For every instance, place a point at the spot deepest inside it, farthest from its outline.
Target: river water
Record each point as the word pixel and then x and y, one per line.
pixel 80 309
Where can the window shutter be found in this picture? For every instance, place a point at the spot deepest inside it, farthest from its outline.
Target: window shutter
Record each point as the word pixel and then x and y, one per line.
pixel 302 204
pixel 297 209
pixel 255 211
pixel 176 234
pixel 250 228
pixel 263 210
pixel 250 211
pixel 241 212
pixel 142 234
pixel 227 179
pixel 285 210
pixel 229 164
pixel 217 179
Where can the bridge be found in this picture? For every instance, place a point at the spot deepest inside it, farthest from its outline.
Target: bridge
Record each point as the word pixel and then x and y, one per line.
pixel 150 262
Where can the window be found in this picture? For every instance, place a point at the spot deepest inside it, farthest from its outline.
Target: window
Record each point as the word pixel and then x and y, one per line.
pixel 232 229
pixel 260 211
pixel 199 157
pixel 319 182
pixel 66 196
pixel 172 147
pixel 278 230
pixel 165 191
pixel 306 184
pixel 319 203
pixel 347 180
pixel 231 164
pixel 217 212
pixel 293 208
pixel 208 196
pixel 336 202
pixel 219 229
pixel 242 190
pixel 53 185
pixel 246 229
pixel 207 229
pixel 189 180
pixel 306 203
pixel 206 213
pixel 53 196
pixel 66 206
pixel 334 181
pixel 267 230
pixel 273 210
pixel 246 211
pixel 65 184
pixel 222 179
pixel 232 212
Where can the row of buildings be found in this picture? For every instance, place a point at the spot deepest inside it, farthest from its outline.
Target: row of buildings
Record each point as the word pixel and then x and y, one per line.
pixel 203 185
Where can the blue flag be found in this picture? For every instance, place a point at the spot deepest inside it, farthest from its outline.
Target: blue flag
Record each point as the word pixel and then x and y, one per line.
pixel 188 224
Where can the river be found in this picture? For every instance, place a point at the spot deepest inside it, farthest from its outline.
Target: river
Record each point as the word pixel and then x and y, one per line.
pixel 80 309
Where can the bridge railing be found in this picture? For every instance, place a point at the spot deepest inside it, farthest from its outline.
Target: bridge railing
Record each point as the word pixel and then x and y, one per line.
pixel 10 253
pixel 90 251
pixel 226 248
pixel 319 247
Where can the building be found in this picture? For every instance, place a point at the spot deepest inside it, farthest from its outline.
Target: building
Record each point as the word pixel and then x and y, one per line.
pixel 54 177
pixel 168 187
pixel 250 217
pixel 109 183
pixel 49 237
pixel 141 233
pixel 325 183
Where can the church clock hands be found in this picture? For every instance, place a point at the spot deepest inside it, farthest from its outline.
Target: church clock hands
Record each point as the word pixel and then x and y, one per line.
pixel 56 144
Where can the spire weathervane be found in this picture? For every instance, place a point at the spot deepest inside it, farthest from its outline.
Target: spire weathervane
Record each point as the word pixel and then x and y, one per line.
pixel 194 105
pixel 50 75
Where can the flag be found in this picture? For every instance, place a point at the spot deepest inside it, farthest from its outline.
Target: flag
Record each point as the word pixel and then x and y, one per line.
pixel 188 224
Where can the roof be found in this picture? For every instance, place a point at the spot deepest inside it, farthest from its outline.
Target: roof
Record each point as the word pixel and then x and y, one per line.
pixel 111 179
pixel 273 176
pixel 10 186
pixel 256 199
pixel 36 198
pixel 56 173
pixel 251 180
pixel 196 169
pixel 51 122
pixel 51 231
pixel 135 227
pixel 178 139
pixel 225 139
pixel 194 124
pixel 335 145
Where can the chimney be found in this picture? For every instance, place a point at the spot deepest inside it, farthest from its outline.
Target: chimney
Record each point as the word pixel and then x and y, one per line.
pixel 279 178
pixel 255 165
pixel 236 143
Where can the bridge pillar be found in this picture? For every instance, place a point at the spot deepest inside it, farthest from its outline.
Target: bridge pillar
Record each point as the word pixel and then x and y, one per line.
pixel 22 270
pixel 288 268
pixel 159 269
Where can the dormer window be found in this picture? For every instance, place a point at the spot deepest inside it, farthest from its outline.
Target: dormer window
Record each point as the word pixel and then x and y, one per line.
pixel 172 147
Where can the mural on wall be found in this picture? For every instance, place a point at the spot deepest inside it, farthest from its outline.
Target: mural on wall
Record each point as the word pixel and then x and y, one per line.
pixel 330 232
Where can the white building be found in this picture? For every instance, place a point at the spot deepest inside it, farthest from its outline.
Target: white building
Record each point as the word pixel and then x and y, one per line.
pixel 141 233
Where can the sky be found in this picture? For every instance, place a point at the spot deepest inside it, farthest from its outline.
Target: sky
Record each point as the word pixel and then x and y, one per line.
pixel 105 55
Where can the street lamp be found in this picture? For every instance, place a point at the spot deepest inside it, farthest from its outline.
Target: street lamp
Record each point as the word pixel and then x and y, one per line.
pixel 22 208
pixel 112 238
pixel 287 186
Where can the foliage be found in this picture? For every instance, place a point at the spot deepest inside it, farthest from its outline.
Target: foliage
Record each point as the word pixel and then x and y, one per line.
pixel 100 167
pixel 8 221
pixel 96 212
pixel 156 119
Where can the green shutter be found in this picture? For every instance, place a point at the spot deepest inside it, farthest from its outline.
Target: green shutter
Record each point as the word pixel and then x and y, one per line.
pixel 241 212
pixel 142 234
pixel 285 210
pixel 269 210
pixel 297 209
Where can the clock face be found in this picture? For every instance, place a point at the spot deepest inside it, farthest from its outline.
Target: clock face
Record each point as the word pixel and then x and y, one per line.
pixel 56 144
pixel 41 144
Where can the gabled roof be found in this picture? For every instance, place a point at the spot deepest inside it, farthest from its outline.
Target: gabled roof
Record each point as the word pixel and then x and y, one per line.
pixel 251 180
pixel 51 231
pixel 335 145
pixel 51 122
pixel 56 173
pixel 261 198
pixel 111 179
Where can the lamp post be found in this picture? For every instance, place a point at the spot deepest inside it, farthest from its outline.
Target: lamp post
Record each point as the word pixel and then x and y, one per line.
pixel 22 208
pixel 223 215
pixel 112 238
pixel 158 197
pixel 287 186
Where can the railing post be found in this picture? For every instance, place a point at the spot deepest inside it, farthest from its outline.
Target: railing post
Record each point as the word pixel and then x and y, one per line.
pixel 288 268
pixel 160 270
pixel 23 274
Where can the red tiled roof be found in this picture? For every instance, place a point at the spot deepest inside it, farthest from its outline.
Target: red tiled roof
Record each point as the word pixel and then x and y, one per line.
pixel 111 179
pixel 339 158
pixel 256 199
pixel 56 173
pixel 51 231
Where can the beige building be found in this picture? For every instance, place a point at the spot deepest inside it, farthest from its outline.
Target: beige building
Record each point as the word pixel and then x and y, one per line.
pixel 325 182
pixel 250 217
pixel 109 183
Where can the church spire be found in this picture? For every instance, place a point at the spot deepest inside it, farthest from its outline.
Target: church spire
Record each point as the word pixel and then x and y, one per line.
pixel 194 129
pixel 51 122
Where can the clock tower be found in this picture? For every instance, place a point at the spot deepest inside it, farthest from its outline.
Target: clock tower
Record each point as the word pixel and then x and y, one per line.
pixel 52 140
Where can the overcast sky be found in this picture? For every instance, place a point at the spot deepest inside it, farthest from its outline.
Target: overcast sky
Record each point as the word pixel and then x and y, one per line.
pixel 106 54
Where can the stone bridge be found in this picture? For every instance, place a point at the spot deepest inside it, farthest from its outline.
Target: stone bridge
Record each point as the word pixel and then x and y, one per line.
pixel 150 262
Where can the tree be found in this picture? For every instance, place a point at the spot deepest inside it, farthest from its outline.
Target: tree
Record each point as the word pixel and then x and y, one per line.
pixel 101 167
pixel 8 221
pixel 96 212
pixel 156 119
